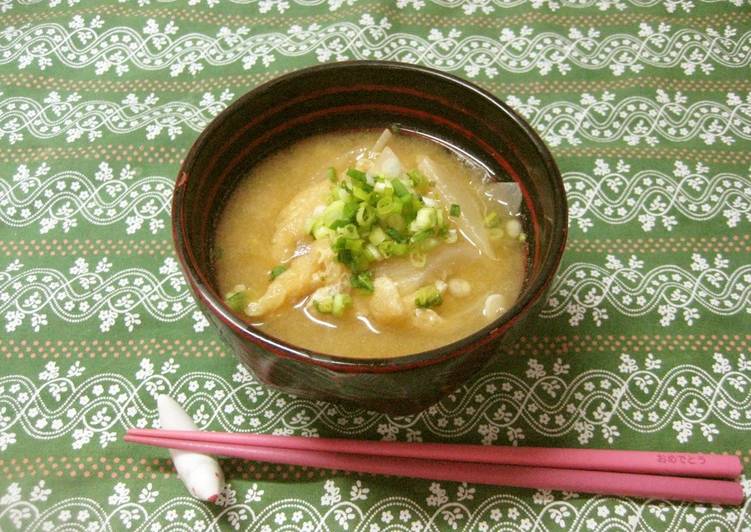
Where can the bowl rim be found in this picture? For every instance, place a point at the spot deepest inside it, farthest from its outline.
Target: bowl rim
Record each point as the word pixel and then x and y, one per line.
pixel 203 290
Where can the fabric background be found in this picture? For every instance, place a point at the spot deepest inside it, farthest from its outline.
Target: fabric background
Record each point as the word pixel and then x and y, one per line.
pixel 644 343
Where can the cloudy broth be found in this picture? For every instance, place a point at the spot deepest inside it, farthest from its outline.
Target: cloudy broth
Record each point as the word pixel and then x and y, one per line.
pixel 322 258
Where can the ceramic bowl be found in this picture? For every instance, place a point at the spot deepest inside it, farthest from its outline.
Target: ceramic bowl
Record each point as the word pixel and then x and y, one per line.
pixel 367 94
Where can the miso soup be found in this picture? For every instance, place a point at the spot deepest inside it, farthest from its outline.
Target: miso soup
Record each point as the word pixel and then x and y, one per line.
pixel 370 244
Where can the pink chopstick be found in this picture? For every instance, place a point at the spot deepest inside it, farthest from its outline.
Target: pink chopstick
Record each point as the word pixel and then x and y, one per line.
pixel 645 462
pixel 600 482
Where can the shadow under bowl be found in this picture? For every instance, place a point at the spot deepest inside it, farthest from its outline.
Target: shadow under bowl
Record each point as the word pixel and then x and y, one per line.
pixel 367 94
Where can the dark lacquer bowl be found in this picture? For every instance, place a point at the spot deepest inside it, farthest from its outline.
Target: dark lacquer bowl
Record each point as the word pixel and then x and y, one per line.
pixel 366 94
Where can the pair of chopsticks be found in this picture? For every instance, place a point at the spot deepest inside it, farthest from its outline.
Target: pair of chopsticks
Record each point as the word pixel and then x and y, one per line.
pixel 673 476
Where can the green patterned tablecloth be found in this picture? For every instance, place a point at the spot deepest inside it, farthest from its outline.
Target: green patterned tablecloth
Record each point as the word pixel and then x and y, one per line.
pixel 644 343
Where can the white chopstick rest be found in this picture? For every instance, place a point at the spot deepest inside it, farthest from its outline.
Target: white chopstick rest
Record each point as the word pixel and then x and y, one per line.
pixel 200 473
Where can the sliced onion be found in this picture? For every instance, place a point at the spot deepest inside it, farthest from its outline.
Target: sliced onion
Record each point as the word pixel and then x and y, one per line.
pixel 506 194
pixel 387 164
pixel 382 141
pixel 471 222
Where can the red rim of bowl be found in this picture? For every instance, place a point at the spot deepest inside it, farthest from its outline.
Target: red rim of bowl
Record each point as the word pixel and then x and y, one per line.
pixel 203 289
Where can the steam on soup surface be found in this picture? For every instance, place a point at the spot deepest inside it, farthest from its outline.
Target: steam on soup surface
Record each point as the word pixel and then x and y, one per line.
pixel 367 244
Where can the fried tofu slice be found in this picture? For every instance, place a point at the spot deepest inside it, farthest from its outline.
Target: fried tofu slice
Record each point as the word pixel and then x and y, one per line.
pixel 306 273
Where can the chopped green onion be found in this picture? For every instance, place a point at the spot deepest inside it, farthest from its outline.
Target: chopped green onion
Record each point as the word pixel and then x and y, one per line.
pixel 350 210
pixel 366 215
pixel 422 235
pixel 356 175
pixel 236 300
pixel 389 248
pixel 321 232
pixel 276 271
pixel 396 221
pixel 377 235
pixel 331 174
pixel 341 302
pixel 388 205
pixel 332 212
pixel 428 296
pixel 355 245
pixel 324 305
pixel 409 208
pixel 342 194
pixel 335 304
pixel 371 218
pixel 399 249
pixel 363 281
pixel 492 220
pixel 419 181
pixel 426 218
pixel 361 194
pixel 336 224
pixel 372 253
pixel 399 188
pixel 455 210
pixel 348 231
pixel 439 218
pixel 396 235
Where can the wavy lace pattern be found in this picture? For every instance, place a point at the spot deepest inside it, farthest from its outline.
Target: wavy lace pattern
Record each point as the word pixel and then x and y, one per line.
pixel 347 504
pixel 633 119
pixel 469 7
pixel 615 196
pixel 56 116
pixel 638 119
pixel 264 6
pixel 582 289
pixel 63 199
pixel 83 293
pixel 596 405
pixel 708 285
pixel 83 44
pixel 650 197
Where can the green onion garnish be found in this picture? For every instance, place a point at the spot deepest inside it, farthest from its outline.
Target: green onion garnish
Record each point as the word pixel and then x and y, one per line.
pixel 422 235
pixel 363 281
pixel 335 304
pixel 371 218
pixel 357 175
pixel 236 301
pixel 366 215
pixel 455 210
pixel 395 235
pixel 341 302
pixel 377 235
pixel 419 181
pixel 276 271
pixel 331 174
pixel 399 188
pixel 324 305
pixel 428 296
pixel 492 220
